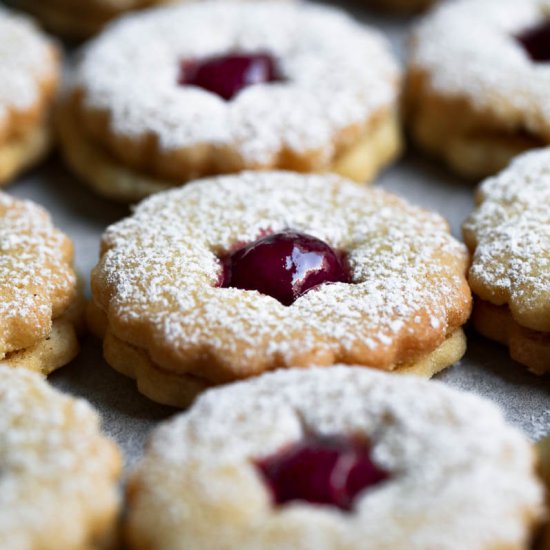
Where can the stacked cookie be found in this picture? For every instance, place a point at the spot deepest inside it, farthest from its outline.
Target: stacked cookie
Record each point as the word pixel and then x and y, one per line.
pixel 344 457
pixel 190 108
pixel 29 73
pixel 477 80
pixel 41 310
pixel 510 243
pixel 230 277
pixel 252 124
pixel 58 482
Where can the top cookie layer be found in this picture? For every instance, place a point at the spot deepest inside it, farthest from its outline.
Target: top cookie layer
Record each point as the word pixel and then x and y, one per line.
pixel 58 475
pixel 468 49
pixel 27 64
pixel 158 275
pixel 459 476
pixel 337 74
pixel 37 281
pixel 509 233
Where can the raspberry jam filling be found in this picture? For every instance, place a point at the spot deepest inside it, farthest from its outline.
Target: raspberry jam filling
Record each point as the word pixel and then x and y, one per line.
pixel 536 42
pixel 227 75
pixel 321 470
pixel 284 266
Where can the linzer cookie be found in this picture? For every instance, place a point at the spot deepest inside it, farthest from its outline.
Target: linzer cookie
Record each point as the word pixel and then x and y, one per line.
pixel 340 458
pixel 509 236
pixel 266 90
pixel 29 72
pixel 77 19
pixel 40 307
pixel 58 473
pixel 477 90
pixel 232 276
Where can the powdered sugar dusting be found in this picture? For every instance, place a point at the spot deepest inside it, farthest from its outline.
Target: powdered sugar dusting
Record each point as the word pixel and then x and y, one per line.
pixel 540 425
pixel 337 74
pixel 25 59
pixel 468 48
pixel 160 270
pixel 57 476
pixel 510 231
pixel 36 277
pixel 460 477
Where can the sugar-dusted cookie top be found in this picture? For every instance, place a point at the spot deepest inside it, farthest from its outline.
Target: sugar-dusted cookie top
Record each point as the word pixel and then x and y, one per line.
pixel 473 50
pixel 58 474
pixel 332 75
pixel 509 234
pixel 456 475
pixel 160 276
pixel 37 280
pixel 28 65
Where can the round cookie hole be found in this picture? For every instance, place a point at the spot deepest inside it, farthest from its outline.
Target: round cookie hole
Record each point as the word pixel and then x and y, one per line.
pixel 284 265
pixel 536 42
pixel 324 470
pixel 227 75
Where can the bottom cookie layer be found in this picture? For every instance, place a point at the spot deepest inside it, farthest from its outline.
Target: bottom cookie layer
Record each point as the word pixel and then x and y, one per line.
pixel 179 390
pixel 55 351
pixel 377 148
pixel 527 346
pixel 22 152
pixel 108 177
pixel 472 143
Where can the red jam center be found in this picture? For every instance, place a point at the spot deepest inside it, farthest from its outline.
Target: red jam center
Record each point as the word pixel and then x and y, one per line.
pixel 285 266
pixel 536 42
pixel 322 470
pixel 227 75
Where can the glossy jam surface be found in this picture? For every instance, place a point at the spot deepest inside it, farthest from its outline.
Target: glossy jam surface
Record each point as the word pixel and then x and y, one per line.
pixel 285 266
pixel 227 75
pixel 536 42
pixel 321 470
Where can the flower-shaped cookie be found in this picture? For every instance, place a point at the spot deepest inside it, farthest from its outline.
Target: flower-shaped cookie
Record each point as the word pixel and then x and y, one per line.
pixel 232 276
pixel 40 308
pixel 160 99
pixel 509 235
pixel 477 91
pixel 339 458
pixel 29 72
pixel 58 473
